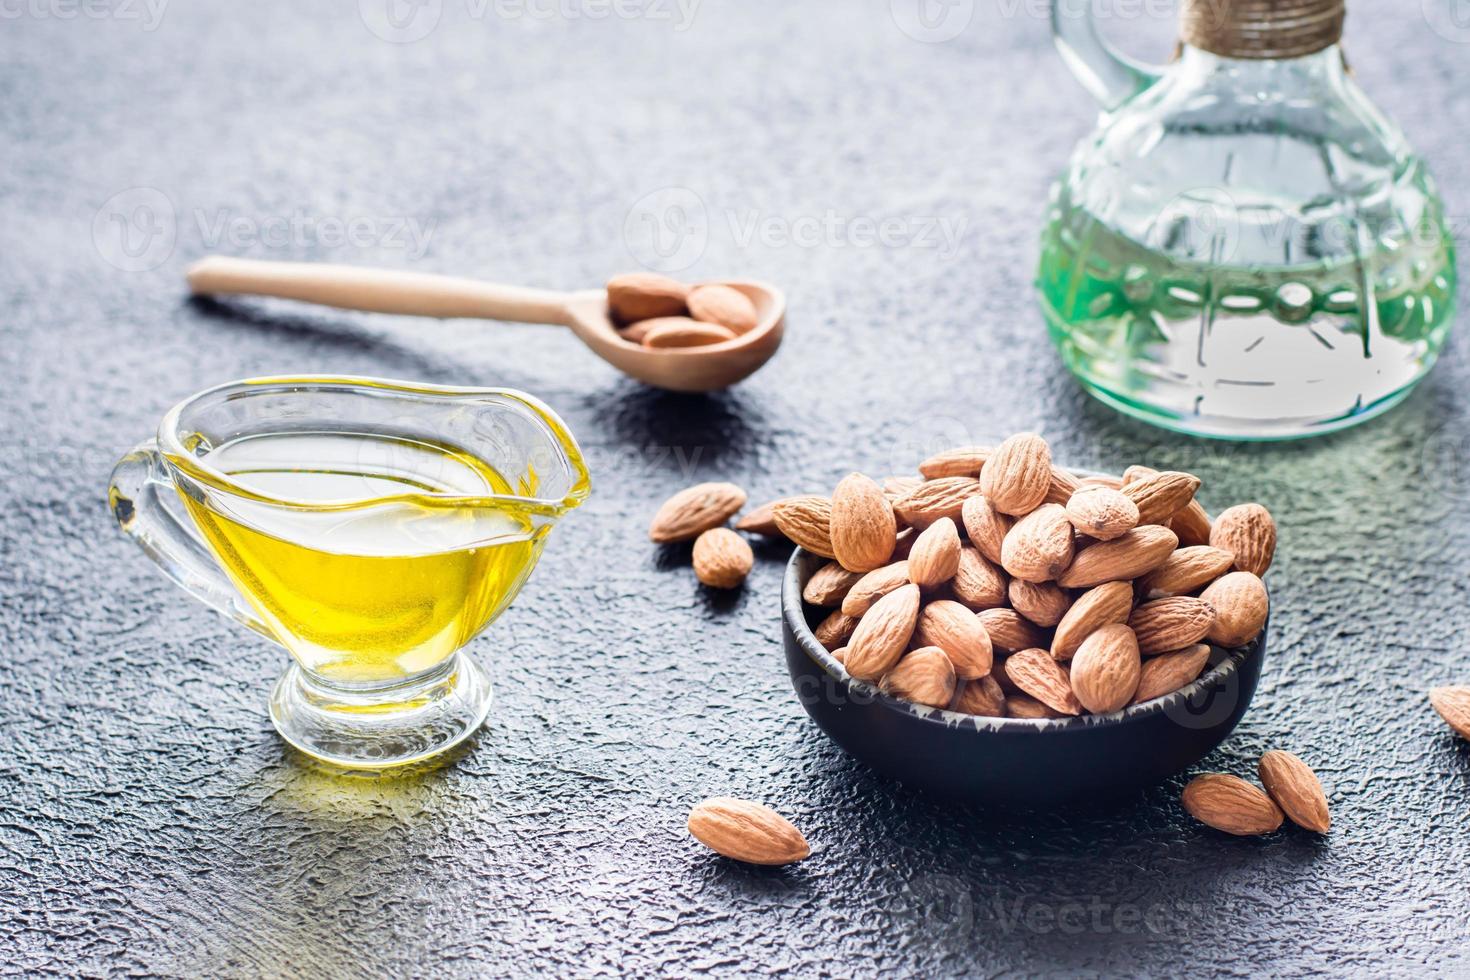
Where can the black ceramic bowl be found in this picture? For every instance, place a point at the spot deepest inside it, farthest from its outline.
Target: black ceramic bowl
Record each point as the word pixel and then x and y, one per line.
pixel 1012 762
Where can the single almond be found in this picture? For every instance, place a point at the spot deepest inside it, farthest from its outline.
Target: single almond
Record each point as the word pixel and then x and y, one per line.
pixel 725 305
pixel 1248 532
pixel 1192 524
pixel 1453 705
pixel 986 526
pixel 883 633
pixel 1106 669
pixel 1168 672
pixel 722 558
pixel 951 627
pixel 1241 605
pixel 1140 550
pixel 981 696
pixel 1062 485
pixel 1044 603
pixel 1186 570
pixel 1037 674
pixel 1009 631
pixel 1099 606
pixel 691 512
pixel 634 332
pixel 1102 513
pixel 933 499
pixel 1231 804
pixel 746 831
pixel 904 543
pixel 1296 789
pixel 978 583
pixel 863 527
pixel 923 676
pixel 1039 546
pixel 829 585
pixel 1137 472
pixel 807 521
pixel 1171 624
pixel 761 520
pixel 835 630
pixel 873 586
pixel 1025 706
pixel 644 296
pixel 840 654
pixel 1017 475
pixel 1161 496
pixel 671 332
pixel 896 486
pixel 961 461
pixel 935 556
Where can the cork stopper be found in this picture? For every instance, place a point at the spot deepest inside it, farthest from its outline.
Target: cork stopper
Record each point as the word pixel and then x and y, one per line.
pixel 1262 29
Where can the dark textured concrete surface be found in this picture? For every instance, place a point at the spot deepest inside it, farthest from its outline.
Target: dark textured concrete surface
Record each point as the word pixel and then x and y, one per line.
pixel 150 821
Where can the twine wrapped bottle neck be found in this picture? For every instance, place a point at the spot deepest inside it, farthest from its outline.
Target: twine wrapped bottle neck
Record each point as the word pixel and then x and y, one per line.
pixel 1262 29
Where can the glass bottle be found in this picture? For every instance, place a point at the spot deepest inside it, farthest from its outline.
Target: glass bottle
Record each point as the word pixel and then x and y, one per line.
pixel 1245 248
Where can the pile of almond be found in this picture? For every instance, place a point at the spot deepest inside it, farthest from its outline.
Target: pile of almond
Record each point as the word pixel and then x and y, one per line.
pixel 660 312
pixel 995 583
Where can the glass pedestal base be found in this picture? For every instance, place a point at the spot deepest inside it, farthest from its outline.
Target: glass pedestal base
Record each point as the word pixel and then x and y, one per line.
pixel 382 727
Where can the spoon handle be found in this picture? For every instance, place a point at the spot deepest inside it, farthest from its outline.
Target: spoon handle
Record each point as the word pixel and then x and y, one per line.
pixel 377 290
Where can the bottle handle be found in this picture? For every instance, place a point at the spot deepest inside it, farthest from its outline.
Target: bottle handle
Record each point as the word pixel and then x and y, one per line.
pixel 133 497
pixel 1111 77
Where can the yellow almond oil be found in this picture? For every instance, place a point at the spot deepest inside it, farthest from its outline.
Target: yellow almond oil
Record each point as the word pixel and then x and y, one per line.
pixel 391 559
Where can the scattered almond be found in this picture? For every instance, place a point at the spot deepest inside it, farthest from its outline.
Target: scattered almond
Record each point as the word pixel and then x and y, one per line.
pixel 689 513
pixel 1171 624
pixel 1105 669
pixel 1248 532
pixel 923 676
pixel 1039 546
pixel 1168 672
pixel 954 629
pixel 1241 605
pixel 724 305
pixel 1037 674
pixel 722 558
pixel 807 521
pixel 1102 512
pixel 1453 705
pixel 935 557
pixel 746 831
pixel 883 633
pixel 1231 804
pixel 1017 475
pixel 862 526
pixel 1294 787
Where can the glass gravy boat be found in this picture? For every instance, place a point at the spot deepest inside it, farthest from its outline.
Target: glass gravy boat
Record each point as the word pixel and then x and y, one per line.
pixel 370 527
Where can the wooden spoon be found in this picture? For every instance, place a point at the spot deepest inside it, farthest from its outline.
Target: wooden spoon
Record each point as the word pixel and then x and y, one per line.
pixel 346 287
